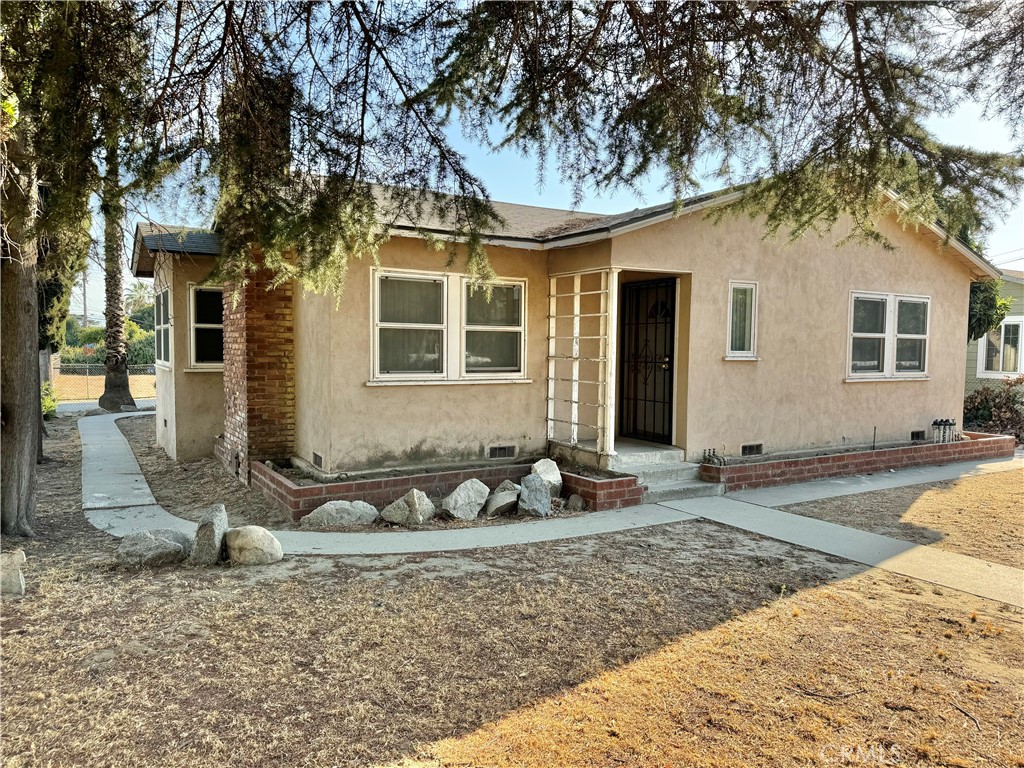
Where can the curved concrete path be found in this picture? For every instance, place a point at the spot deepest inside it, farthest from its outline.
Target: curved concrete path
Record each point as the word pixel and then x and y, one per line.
pixel 116 498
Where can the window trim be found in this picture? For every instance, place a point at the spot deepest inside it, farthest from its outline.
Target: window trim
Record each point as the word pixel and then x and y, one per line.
pixel 890 335
pixel 465 328
pixel 983 350
pixel 731 354
pixel 453 331
pixel 193 325
pixel 167 364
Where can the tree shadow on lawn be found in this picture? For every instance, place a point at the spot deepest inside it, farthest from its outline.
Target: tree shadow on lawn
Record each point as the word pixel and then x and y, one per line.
pixel 372 661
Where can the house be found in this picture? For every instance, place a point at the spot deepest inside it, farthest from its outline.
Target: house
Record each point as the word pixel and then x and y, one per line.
pixel 997 355
pixel 645 331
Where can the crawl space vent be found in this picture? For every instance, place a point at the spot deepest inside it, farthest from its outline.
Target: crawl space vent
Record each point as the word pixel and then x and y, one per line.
pixel 752 449
pixel 318 460
pixel 917 435
pixel 501 452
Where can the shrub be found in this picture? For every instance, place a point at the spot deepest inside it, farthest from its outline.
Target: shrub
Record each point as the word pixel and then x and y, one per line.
pixel 93 353
pixel 140 349
pixel 998 408
pixel 93 335
pixel 48 399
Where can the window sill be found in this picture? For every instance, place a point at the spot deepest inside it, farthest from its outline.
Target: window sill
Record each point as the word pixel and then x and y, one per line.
pixel 859 379
pixel 997 375
pixel 442 382
pixel 204 369
pixel 741 358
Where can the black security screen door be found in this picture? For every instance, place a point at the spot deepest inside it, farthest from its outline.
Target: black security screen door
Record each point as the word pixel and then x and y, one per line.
pixel 645 360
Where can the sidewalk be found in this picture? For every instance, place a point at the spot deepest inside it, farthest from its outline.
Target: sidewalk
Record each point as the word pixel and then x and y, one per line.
pixel 116 498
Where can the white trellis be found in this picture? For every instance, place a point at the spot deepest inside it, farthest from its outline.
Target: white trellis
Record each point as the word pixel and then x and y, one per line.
pixel 582 310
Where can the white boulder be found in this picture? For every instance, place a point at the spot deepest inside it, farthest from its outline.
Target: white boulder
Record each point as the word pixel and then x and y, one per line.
pixel 548 470
pixel 252 545
pixel 413 509
pixel 339 514
pixel 466 501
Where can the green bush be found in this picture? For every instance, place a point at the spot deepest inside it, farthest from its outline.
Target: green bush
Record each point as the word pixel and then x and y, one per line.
pixel 48 399
pixel 141 350
pixel 96 353
pixel 93 335
pixel 998 409
pixel 143 317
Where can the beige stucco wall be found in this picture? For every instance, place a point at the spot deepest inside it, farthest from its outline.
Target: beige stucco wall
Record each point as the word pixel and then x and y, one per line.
pixel 189 403
pixel 795 395
pixel 355 425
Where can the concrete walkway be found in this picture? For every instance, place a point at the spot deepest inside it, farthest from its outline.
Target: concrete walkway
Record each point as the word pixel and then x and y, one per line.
pixel 116 498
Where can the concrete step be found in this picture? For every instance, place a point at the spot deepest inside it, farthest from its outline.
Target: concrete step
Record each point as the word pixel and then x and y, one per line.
pixel 630 456
pixel 664 473
pixel 689 489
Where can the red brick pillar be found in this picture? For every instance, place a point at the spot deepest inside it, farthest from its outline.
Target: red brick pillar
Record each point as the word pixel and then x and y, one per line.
pixel 259 376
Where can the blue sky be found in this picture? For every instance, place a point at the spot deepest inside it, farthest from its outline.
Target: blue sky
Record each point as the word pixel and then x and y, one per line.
pixel 512 178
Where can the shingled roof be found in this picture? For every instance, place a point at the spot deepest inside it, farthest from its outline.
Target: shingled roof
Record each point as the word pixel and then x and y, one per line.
pixel 152 238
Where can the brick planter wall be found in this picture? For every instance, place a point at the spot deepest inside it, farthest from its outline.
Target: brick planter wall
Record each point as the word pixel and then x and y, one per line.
pixel 259 376
pixel 300 500
pixel 762 474
pixel 604 493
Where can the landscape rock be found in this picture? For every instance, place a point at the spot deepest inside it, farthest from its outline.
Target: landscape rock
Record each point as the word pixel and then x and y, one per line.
pixel 252 545
pixel 415 508
pixel 506 485
pixel 12 581
pixel 209 541
pixel 149 549
pixel 503 503
pixel 576 503
pixel 335 515
pixel 548 470
pixel 535 496
pixel 466 501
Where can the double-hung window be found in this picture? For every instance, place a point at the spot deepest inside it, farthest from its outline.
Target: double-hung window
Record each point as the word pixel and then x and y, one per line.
pixel 162 327
pixel 888 336
pixel 999 350
pixel 206 327
pixel 437 328
pixel 742 321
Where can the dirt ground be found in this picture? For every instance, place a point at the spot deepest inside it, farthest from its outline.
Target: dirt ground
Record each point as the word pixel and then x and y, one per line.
pixel 683 645
pixel 186 488
pixel 977 516
pixel 72 388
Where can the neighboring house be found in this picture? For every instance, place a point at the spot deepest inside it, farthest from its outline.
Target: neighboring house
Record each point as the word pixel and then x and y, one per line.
pixel 602 331
pixel 997 355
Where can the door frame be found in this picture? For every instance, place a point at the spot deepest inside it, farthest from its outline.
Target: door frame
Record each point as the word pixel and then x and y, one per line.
pixel 673 400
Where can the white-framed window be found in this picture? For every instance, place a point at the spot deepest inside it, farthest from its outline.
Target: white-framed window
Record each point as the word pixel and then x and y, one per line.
pixel 162 327
pixel 206 326
pixel 435 328
pixel 742 331
pixel 888 336
pixel 999 351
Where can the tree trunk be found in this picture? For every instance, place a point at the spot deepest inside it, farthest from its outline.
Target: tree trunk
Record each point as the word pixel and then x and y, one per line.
pixel 19 347
pixel 116 391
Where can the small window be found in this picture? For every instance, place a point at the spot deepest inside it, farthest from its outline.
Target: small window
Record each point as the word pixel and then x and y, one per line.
pixel 742 320
pixel 494 329
pixel 888 336
pixel 206 327
pixel 1001 348
pixel 162 327
pixel 410 325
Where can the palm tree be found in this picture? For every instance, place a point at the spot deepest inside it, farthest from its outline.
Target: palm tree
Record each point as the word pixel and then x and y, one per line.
pixel 138 296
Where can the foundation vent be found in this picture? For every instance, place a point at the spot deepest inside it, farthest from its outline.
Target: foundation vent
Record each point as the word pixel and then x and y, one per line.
pixel 318 460
pixel 501 452
pixel 752 449
pixel 917 436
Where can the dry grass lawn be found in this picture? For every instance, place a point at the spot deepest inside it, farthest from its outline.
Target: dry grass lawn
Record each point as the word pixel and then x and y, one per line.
pixel 980 516
pixel 683 645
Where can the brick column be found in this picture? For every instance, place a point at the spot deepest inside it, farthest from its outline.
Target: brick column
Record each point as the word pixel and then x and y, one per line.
pixel 259 376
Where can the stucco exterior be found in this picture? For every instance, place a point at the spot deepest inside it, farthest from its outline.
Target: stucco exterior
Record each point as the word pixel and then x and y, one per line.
pixel 352 422
pixel 794 393
pixel 189 402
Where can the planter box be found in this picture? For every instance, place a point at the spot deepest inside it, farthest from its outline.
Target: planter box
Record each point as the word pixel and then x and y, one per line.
pixel 761 474
pixel 300 500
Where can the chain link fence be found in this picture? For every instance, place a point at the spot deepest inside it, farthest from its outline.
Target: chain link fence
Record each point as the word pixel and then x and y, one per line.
pixel 81 382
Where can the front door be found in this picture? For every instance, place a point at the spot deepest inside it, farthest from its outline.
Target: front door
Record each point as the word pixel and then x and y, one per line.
pixel 647 341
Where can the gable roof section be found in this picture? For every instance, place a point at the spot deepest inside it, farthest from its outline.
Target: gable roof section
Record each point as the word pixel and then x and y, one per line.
pixel 152 238
pixel 526 226
pixel 1013 275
